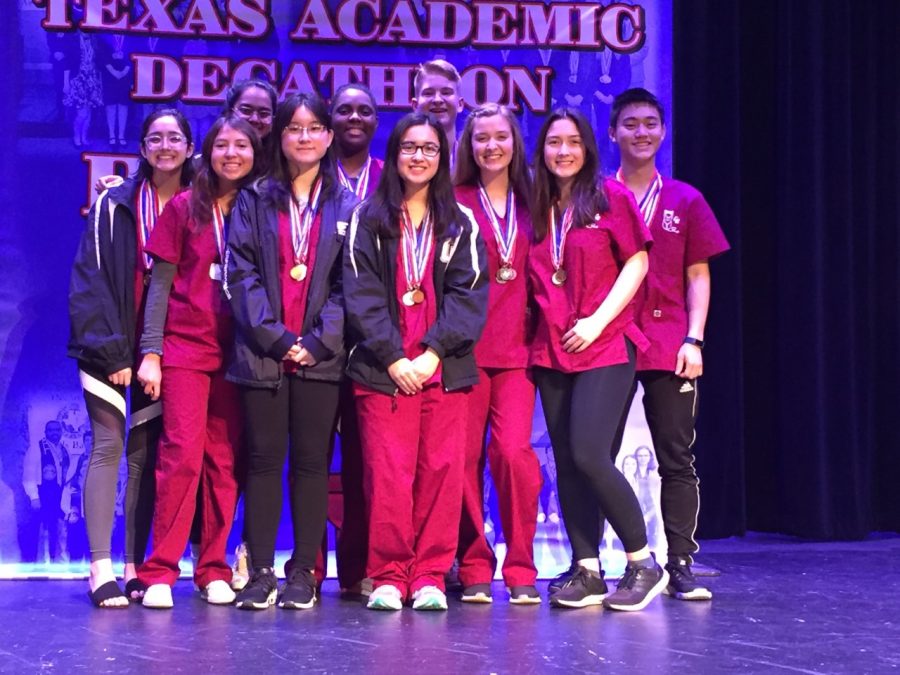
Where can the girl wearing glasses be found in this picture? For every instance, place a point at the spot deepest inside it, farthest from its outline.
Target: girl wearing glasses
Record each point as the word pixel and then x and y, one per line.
pixel 588 260
pixel 416 294
pixel 255 101
pixel 188 333
pixel 284 283
pixel 492 180
pixel 106 308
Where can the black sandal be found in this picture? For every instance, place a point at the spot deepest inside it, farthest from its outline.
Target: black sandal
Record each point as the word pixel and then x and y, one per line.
pixel 107 591
pixel 135 586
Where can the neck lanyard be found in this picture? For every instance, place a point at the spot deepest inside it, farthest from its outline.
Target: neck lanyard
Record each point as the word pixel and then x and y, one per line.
pixel 301 226
pixel 362 181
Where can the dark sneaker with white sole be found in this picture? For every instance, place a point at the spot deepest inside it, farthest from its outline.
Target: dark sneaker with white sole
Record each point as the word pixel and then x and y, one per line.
pixel 260 592
pixel 643 580
pixel 299 592
pixel 560 579
pixel 583 589
pixel 524 595
pixel 478 594
pixel 683 585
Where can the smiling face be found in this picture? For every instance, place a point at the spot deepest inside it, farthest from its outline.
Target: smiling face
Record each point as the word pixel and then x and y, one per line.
pixel 564 150
pixel 416 168
pixel 232 156
pixel 438 95
pixel 305 140
pixel 354 120
pixel 492 144
pixel 255 106
pixel 639 132
pixel 629 466
pixel 165 146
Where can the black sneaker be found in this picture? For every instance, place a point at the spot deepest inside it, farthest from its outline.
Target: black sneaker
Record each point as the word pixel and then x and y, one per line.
pixel 299 592
pixel 583 589
pixel 639 585
pixel 260 591
pixel 682 582
pixel 477 593
pixel 560 580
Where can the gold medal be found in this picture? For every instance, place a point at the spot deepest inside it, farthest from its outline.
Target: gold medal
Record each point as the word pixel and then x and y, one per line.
pixel 505 274
pixel 298 272
pixel 559 277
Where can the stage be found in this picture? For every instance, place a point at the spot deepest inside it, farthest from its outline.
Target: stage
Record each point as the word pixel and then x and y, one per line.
pixel 780 606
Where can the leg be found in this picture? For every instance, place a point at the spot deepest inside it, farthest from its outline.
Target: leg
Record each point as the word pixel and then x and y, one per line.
pixel 353 537
pixel 140 494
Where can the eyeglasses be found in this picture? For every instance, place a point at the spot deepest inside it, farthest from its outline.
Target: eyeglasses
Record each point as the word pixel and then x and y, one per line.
pixel 155 141
pixel 248 111
pixel 314 130
pixel 428 149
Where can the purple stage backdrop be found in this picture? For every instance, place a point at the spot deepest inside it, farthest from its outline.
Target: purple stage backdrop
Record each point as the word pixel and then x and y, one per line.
pixel 134 56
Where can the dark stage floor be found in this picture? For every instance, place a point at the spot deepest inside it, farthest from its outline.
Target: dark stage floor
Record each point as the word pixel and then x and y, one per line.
pixel 780 606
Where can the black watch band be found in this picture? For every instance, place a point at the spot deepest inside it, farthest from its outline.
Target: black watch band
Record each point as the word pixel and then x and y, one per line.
pixel 694 341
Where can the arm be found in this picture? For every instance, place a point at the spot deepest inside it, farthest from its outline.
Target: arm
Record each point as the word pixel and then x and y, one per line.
pixel 150 373
pixel 587 330
pixel 690 358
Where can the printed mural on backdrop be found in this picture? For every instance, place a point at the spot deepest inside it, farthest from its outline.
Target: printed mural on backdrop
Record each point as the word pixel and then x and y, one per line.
pixel 107 64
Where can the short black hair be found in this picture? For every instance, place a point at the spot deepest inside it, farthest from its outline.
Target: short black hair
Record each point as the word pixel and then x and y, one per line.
pixel 630 97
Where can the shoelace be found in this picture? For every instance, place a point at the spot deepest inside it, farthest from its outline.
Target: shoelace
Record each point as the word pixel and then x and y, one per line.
pixel 629 578
pixel 580 574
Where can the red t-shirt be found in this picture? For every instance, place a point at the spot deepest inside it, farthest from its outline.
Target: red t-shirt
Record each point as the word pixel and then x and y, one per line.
pixel 294 293
pixel 199 329
pixel 503 342
pixel 685 231
pixel 416 320
pixel 593 258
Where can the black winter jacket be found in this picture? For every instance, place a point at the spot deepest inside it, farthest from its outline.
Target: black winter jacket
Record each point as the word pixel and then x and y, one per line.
pixel 370 270
pixel 253 286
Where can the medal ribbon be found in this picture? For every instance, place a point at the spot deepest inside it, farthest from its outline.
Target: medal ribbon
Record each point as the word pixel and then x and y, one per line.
pixel 362 182
pixel 650 200
pixel 558 235
pixel 506 241
pixel 301 222
pixel 218 219
pixel 417 247
pixel 148 211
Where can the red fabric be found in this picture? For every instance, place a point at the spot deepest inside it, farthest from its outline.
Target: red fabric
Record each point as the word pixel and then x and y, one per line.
pixel 413 465
pixel 416 320
pixel 200 437
pixel 503 342
pixel 685 231
pixel 354 535
pixel 199 326
pixel 294 293
pixel 505 399
pixel 594 255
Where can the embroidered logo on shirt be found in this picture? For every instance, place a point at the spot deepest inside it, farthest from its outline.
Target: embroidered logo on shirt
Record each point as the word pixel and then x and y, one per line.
pixel 686 388
pixel 670 221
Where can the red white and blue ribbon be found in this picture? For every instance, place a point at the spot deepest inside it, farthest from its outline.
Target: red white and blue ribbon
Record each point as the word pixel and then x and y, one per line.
pixel 417 246
pixel 506 240
pixel 650 200
pixel 558 234
pixel 218 219
pixel 301 222
pixel 148 211
pixel 362 181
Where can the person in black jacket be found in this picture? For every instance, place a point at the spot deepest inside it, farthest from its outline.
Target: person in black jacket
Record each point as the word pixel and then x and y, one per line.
pixel 416 299
pixel 283 278
pixel 106 304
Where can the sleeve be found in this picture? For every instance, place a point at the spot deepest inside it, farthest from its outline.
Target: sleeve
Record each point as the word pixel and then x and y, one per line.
pixel 368 313
pixel 253 313
pixel 327 335
pixel 156 308
pixel 627 231
pixel 463 311
pixel 167 239
pixel 98 334
pixel 705 237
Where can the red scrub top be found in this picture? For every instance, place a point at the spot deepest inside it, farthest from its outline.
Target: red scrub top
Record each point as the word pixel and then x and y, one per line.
pixel 294 293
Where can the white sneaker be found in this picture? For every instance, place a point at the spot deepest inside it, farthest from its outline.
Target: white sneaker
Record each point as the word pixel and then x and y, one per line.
pixel 429 598
pixel 218 592
pixel 240 571
pixel 385 597
pixel 158 596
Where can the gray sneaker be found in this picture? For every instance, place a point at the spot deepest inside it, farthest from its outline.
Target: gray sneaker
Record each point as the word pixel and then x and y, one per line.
pixel 641 583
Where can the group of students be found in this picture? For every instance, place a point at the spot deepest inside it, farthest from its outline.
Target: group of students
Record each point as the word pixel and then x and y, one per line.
pixel 285 284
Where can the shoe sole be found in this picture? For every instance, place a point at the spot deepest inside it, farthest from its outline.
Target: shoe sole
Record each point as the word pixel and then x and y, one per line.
pixel 431 606
pixel 656 590
pixel 269 602
pixel 297 605
pixel 696 594
pixel 587 601
pixel 525 601
pixel 381 605
pixel 477 599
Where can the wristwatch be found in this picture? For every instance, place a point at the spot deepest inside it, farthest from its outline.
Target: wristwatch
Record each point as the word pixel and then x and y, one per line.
pixel 694 341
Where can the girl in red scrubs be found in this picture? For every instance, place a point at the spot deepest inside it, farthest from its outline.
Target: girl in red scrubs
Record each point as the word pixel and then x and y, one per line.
pixel 187 338
pixel 585 266
pixel 493 183
pixel 416 294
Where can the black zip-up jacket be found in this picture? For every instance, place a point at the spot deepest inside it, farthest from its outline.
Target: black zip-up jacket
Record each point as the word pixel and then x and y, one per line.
pixel 253 286
pixel 101 288
pixel 370 270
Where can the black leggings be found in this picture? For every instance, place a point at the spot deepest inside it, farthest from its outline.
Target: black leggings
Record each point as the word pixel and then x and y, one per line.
pixel 301 414
pixel 583 411
pixel 105 403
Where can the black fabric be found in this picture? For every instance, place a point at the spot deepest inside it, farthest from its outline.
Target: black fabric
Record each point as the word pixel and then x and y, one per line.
pixel 786 119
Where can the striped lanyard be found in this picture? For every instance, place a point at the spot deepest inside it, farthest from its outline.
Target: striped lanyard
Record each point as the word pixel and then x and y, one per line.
pixel 558 235
pixel 417 246
pixel 506 241
pixel 218 219
pixel 650 200
pixel 301 222
pixel 362 181
pixel 148 211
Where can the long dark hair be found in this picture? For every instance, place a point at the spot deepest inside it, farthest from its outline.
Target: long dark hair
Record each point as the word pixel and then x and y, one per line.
pixel 277 189
pixel 382 211
pixel 467 170
pixel 588 197
pixel 206 182
pixel 144 170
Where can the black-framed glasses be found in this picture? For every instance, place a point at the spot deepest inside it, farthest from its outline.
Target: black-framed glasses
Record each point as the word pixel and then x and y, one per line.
pixel 428 149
